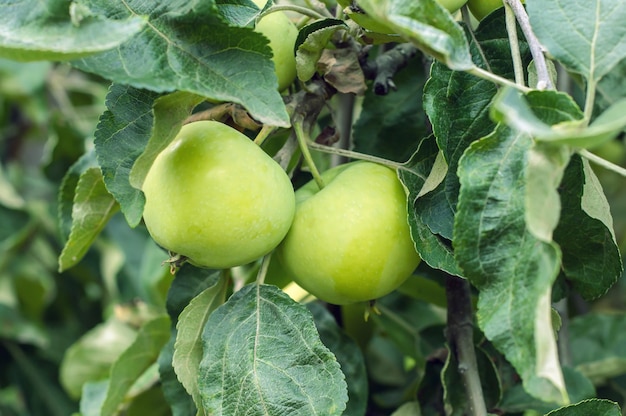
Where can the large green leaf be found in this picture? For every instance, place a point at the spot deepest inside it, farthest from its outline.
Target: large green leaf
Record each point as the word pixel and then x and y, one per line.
pixel 263 356
pixel 59 30
pixel 427 25
pixel 187 46
pixel 587 36
pixel 121 136
pixel 513 270
pixel 458 105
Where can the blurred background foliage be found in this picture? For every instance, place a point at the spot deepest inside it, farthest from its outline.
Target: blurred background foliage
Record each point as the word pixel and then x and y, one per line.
pixel 48 114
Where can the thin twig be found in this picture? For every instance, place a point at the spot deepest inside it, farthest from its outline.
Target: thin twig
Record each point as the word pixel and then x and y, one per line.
pixel 303 142
pixel 543 75
pixel 496 79
pixel 511 28
pixel 461 339
pixel 602 162
pixel 354 155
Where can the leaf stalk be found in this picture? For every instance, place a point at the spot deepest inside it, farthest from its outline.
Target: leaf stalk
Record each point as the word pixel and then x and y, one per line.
pixel 602 162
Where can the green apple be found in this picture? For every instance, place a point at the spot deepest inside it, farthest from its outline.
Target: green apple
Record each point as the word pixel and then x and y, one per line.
pixel 481 8
pixel 282 34
pixel 350 241
pixel 216 198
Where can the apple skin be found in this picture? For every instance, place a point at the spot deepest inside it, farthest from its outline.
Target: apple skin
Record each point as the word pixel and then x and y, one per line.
pixel 215 197
pixel 282 34
pixel 350 241
pixel 481 8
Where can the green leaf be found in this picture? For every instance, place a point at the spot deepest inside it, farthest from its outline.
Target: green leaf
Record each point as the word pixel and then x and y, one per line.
pixel 434 250
pixel 591 257
pixel 168 56
pixel 92 209
pixel 612 87
pixel 175 394
pixel 311 42
pixel 457 105
pixel 237 13
pixel 59 30
pixel 546 166
pixel 587 36
pixel 388 125
pixel 427 25
pixel 513 109
pixel 189 282
pixel 121 136
pixel 133 362
pixel 67 191
pixel 170 112
pixel 90 358
pixel 348 355
pixel 188 347
pixel 596 344
pixel 263 355
pixel 595 407
pixel 512 270
pixel 516 400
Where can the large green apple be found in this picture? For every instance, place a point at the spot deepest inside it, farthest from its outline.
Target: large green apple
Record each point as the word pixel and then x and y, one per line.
pixel 215 197
pixel 481 8
pixel 282 34
pixel 350 241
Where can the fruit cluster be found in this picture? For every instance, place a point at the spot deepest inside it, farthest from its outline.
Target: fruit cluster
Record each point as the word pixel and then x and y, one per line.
pixel 218 199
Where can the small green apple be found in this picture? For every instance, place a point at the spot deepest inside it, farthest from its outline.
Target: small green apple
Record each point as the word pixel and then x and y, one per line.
pixel 216 198
pixel 282 34
pixel 481 8
pixel 350 241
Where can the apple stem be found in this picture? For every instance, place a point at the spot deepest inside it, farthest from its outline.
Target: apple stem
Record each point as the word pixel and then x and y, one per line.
pixel 263 134
pixel 602 162
pixel 354 155
pixel 543 75
pixel 265 264
pixel 304 143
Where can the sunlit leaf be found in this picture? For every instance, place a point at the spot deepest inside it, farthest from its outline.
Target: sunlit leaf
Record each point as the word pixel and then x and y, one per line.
pixel 192 52
pixel 59 30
